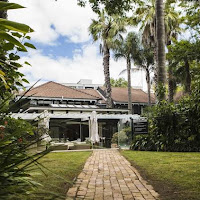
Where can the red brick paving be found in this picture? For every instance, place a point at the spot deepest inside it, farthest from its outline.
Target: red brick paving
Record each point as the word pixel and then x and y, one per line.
pixel 109 176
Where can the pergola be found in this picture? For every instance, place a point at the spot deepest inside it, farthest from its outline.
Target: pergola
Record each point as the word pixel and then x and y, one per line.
pixel 44 118
pixel 83 116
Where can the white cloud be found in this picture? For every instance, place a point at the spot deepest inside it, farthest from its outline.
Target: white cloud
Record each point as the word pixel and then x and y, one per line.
pixel 85 64
pixel 50 18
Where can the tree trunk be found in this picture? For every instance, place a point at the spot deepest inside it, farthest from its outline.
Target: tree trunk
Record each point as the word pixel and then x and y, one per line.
pixel 3 13
pixel 160 41
pixel 170 85
pixel 148 86
pixel 155 54
pixel 188 78
pixel 106 60
pixel 128 64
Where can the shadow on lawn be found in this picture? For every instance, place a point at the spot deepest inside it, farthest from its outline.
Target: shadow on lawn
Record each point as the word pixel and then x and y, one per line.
pixel 167 190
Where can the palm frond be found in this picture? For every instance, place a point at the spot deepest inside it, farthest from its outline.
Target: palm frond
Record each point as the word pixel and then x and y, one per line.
pixel 123 71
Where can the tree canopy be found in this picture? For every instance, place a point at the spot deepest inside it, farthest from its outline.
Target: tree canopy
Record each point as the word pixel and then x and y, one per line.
pixel 13 39
pixel 120 82
pixel 111 6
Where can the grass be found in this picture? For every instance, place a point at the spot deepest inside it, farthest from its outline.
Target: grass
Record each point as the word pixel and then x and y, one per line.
pixel 59 171
pixel 176 176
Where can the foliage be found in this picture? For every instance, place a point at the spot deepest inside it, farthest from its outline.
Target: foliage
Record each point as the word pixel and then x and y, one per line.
pixel 144 59
pixel 13 39
pixel 192 11
pixel 107 29
pixel 144 15
pixel 16 135
pixel 184 58
pixel 121 82
pixel 114 139
pixel 128 47
pixel 182 50
pixel 173 127
pixel 122 137
pixel 16 138
pixel 112 7
pixel 160 91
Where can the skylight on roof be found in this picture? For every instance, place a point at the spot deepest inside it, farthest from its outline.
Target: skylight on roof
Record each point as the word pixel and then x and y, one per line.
pixel 93 106
pixel 78 106
pixel 62 105
pixel 85 106
pixel 70 106
pixel 54 105
pixel 73 106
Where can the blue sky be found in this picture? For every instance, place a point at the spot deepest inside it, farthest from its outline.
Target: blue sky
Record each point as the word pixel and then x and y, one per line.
pixel 65 51
pixel 63 48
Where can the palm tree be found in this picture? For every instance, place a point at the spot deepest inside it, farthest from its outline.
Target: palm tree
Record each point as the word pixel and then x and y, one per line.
pixel 172 29
pixel 144 59
pixel 146 14
pixel 107 29
pixel 160 41
pixel 126 49
pixel 182 55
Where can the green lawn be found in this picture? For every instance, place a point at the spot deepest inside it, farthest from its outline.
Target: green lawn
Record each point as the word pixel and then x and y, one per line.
pixel 174 175
pixel 61 170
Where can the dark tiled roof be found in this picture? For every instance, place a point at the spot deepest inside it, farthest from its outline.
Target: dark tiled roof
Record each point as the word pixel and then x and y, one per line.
pixel 138 96
pixel 92 92
pixel 56 90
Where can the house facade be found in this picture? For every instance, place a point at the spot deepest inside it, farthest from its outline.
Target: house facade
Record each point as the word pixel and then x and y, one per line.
pixel 69 108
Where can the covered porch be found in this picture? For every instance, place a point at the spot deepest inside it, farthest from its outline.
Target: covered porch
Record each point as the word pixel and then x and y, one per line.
pixel 76 127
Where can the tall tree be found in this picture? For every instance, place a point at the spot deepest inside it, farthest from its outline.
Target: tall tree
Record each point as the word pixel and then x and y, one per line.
pixel 160 53
pixel 172 29
pixel 147 14
pixel 126 49
pixel 144 59
pixel 107 29
pixel 182 55
pixel 192 10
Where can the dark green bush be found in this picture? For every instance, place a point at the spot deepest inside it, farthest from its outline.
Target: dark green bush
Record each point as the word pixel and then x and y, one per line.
pixel 115 138
pixel 16 138
pixel 173 127
pixel 124 136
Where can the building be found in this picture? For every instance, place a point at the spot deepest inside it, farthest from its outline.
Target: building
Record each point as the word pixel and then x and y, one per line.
pixel 83 84
pixel 69 109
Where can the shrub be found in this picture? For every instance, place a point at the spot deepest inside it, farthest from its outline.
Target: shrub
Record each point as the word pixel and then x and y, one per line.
pixel 124 136
pixel 16 137
pixel 173 127
pixel 115 138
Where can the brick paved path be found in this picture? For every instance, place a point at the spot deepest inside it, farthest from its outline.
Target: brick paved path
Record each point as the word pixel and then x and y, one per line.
pixel 108 175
